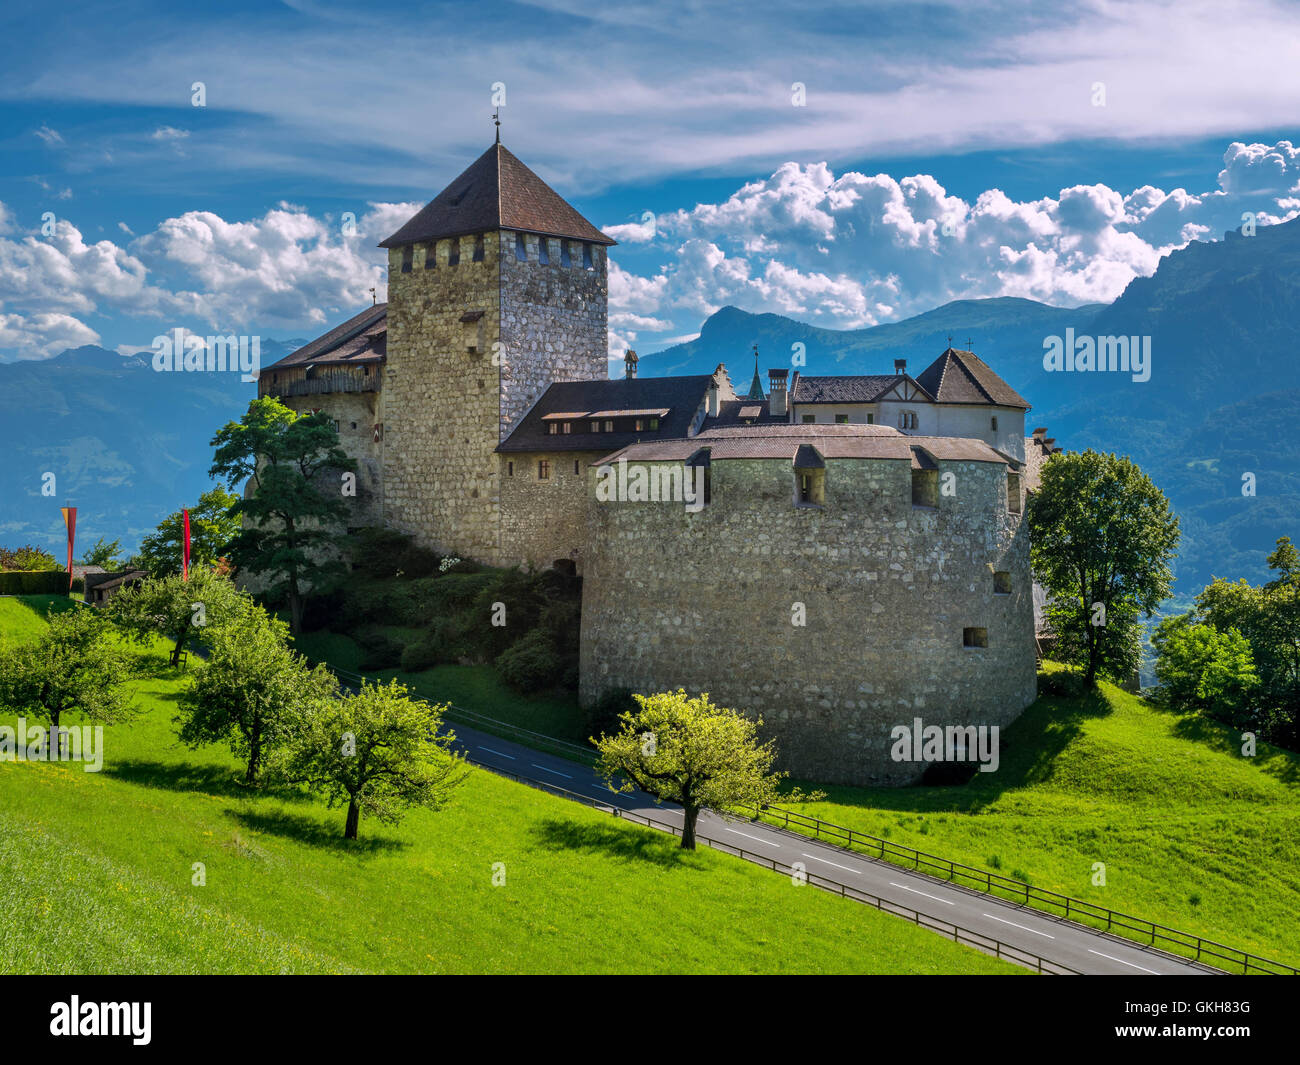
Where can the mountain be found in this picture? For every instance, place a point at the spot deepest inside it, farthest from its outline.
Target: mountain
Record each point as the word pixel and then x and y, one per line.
pixel 127 445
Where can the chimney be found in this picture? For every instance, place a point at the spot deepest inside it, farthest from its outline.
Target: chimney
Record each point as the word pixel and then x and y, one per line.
pixel 776 392
pixel 630 361
pixel 900 366
pixel 1040 433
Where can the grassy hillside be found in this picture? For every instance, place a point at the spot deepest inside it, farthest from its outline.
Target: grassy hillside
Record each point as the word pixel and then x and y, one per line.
pixel 1192 834
pixel 284 893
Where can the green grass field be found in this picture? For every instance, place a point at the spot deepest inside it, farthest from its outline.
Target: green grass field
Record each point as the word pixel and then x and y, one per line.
pixel 1192 834
pixel 96 871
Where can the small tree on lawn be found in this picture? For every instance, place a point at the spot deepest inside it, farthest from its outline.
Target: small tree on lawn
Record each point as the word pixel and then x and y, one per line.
pixel 291 519
pixel 213 527
pixel 177 608
pixel 1101 537
pixel 75 665
pixel 689 751
pixel 377 751
pixel 250 689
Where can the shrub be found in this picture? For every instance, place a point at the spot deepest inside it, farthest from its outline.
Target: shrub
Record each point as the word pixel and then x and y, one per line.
pixel 33 582
pixel 531 664
pixel 378 651
pixel 603 714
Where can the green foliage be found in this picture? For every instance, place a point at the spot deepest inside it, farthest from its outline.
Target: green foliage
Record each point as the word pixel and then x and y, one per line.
pixel 531 664
pixel 378 752
pixel 105 555
pixel 381 552
pixel 73 666
pixel 378 651
pixel 28 559
pixel 1200 668
pixel 603 715
pixel 250 690
pixel 1101 537
pixel 34 582
pixel 293 510
pixel 689 751
pixel 214 524
pixel 177 608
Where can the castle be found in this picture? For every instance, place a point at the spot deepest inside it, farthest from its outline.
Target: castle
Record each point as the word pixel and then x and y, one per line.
pixel 857 559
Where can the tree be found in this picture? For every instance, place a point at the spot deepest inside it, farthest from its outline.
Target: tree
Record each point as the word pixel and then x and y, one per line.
pixel 689 751
pixel 292 522
pixel 250 689
pixel 74 665
pixel 1101 537
pixel 1269 619
pixel 378 751
pixel 213 527
pixel 176 608
pixel 1202 669
pixel 27 558
pixel 104 555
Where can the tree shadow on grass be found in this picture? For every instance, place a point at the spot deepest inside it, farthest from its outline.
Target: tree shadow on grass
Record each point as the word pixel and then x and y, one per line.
pixel 609 838
pixel 185 776
pixel 317 833
pixel 1277 762
pixel 1027 754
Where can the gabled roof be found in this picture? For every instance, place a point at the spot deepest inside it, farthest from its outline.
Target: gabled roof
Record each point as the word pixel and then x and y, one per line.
pixel 681 397
pixel 362 338
pixel 496 191
pixel 861 388
pixel 963 377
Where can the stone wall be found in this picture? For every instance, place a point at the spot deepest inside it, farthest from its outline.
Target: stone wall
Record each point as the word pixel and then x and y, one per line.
pixel 356 414
pixel 543 521
pixel 465 384
pixel 706 601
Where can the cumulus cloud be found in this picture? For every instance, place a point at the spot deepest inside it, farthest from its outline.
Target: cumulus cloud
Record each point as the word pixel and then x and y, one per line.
pixel 853 249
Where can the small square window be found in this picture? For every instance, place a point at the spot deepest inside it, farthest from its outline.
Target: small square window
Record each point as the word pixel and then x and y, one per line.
pixel 1002 583
pixel 841 419
pixel 974 637
pixel 871 419
pixel 809 419
pixel 543 470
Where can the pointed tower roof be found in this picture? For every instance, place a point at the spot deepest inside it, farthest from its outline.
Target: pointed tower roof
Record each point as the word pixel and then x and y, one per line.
pixel 959 376
pixel 496 191
pixel 756 386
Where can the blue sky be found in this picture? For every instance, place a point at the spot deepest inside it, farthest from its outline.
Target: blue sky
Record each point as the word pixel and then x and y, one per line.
pixel 938 151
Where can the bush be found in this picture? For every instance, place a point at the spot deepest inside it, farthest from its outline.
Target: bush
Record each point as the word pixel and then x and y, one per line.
pixel 603 714
pixel 34 582
pixel 378 651
pixel 531 664
pixel 379 553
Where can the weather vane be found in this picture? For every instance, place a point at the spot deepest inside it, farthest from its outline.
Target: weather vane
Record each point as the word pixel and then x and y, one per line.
pixel 496 117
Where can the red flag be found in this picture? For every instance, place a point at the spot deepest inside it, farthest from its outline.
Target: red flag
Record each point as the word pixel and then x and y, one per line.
pixel 70 520
pixel 185 554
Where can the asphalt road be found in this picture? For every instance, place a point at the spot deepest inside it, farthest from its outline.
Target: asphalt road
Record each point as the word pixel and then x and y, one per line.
pixel 1063 943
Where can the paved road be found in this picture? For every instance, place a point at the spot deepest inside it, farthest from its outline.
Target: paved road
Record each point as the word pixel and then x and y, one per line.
pixel 1065 943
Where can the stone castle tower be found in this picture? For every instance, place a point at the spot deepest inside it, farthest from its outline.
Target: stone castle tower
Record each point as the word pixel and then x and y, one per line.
pixel 496 289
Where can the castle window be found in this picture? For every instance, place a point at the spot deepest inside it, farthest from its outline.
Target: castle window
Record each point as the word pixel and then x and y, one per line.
pixel 431 255
pixel 841 419
pixel 478 248
pixel 974 637
pixel 639 425
pixel 609 426
pixel 809 476
pixel 568 427
pixel 871 419
pixel 565 258
pixel 809 419
pixel 365 371
pixel 453 252
pixel 354 425
pixel 510 469
pixel 654 423
pixel 995 423
pixel 543 470
pixel 521 248
pixel 575 467
pixel 586 257
pixel 595 427
pixel 907 419
pixel 925 488
pixel 544 251
pixel 408 256
pixel 1013 493
pixel 553 428
pixel 1001 583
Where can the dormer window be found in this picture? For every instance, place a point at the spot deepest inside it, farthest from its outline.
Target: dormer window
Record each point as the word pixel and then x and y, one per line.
pixel 553 428
pixel 453 252
pixel 521 248
pixel 568 427
pixel 565 258
pixel 478 248
pixel 595 427
pixel 609 426
pixel 408 256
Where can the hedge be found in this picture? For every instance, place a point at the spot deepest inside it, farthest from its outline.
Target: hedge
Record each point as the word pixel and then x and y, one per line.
pixel 37 582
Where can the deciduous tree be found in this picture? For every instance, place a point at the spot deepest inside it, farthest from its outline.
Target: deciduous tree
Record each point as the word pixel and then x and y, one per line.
pixel 177 608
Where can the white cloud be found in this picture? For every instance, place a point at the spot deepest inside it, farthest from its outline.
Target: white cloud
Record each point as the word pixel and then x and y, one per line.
pixel 52 137
pixel 43 335
pixel 169 133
